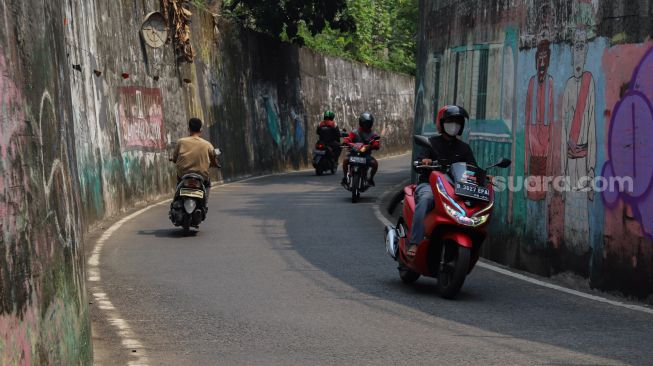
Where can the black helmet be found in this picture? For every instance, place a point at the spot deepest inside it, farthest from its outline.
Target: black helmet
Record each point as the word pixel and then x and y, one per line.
pixel 452 112
pixel 329 115
pixel 366 121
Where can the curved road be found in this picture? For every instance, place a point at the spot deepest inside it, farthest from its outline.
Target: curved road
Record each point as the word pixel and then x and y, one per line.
pixel 286 271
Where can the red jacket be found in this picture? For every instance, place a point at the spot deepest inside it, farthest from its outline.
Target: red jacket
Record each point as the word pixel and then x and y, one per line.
pixel 328 132
pixel 361 136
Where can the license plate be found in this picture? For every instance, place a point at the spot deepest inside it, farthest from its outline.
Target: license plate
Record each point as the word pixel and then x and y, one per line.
pixel 319 152
pixel 473 191
pixel 357 160
pixel 194 193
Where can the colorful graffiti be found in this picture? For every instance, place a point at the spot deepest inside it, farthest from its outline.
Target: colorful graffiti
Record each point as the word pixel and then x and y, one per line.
pixel 580 110
pixel 141 119
pixel 42 296
pixel 286 136
pixel 629 152
pixel 15 286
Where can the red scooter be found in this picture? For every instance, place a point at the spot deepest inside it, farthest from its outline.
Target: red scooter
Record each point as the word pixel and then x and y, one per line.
pixel 456 228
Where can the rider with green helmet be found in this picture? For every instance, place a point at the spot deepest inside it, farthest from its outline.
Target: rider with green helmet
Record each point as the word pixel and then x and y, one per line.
pixel 329 133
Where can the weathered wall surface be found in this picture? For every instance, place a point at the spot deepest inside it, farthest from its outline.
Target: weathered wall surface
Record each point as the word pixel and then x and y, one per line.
pixel 88 116
pixel 43 308
pixel 564 88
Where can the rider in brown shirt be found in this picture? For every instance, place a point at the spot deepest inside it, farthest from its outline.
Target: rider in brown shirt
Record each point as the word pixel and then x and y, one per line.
pixel 193 154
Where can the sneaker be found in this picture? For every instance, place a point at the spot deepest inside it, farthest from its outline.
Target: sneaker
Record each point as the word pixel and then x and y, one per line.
pixel 344 181
pixel 370 182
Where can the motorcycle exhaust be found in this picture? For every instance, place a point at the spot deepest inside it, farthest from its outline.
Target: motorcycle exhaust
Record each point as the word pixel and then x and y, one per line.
pixel 391 241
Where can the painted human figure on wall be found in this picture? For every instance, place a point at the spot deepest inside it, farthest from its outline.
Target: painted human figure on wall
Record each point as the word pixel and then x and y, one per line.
pixel 539 118
pixel 578 150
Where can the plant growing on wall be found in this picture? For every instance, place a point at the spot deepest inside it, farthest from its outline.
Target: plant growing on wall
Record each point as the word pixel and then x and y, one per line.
pixel 179 16
pixel 286 16
pixel 380 33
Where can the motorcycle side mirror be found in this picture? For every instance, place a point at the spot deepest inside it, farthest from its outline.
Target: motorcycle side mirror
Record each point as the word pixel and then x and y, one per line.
pixel 376 138
pixel 422 141
pixel 504 163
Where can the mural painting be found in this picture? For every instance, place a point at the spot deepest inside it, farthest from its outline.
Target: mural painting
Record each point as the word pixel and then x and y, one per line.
pixel 141 119
pixel 578 146
pixel 581 114
pixel 539 114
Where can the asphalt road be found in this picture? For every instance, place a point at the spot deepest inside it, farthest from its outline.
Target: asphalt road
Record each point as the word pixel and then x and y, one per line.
pixel 287 271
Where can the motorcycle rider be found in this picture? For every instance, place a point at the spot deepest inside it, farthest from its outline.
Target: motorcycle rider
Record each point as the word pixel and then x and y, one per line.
pixel 447 149
pixel 365 135
pixel 329 134
pixel 193 154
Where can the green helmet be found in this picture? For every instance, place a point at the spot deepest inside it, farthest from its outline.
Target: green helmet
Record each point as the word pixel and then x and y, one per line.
pixel 329 115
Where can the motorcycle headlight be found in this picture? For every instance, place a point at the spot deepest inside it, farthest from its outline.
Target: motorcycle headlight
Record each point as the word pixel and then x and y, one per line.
pixel 445 195
pixel 189 206
pixel 463 219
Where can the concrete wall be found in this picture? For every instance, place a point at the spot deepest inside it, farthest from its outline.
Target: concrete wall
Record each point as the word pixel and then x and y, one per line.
pixel 482 55
pixel 88 116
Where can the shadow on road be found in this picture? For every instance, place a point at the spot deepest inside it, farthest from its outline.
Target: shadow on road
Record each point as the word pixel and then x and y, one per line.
pixel 356 256
pixel 168 233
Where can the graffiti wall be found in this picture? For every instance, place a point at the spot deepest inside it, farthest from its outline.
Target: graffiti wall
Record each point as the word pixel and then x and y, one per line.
pixel 90 108
pixel 563 88
pixel 43 307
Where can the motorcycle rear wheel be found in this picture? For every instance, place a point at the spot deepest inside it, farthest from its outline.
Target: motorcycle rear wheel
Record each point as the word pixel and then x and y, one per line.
pixel 186 225
pixel 452 276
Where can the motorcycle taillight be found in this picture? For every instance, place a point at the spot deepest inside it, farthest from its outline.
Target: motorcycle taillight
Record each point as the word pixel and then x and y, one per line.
pixel 192 183
pixel 320 146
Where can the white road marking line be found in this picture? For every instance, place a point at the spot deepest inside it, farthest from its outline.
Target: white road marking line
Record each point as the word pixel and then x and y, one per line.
pixel 128 338
pixel 379 215
pixel 534 281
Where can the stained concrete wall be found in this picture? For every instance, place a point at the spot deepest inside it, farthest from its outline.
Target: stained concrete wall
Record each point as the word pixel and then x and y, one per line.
pixel 88 117
pixel 597 57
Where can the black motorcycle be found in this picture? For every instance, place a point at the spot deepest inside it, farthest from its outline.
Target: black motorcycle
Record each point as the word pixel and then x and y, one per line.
pixel 188 208
pixel 324 159
pixel 359 165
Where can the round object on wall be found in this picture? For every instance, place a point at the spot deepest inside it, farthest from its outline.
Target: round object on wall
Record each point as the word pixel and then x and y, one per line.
pixel 154 30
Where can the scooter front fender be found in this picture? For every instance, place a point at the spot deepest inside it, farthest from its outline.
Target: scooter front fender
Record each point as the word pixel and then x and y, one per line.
pixel 461 238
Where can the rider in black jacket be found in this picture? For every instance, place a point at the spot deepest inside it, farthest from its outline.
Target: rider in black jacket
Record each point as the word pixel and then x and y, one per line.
pixel 447 149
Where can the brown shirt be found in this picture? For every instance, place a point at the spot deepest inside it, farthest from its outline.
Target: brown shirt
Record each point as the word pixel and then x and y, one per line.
pixel 193 155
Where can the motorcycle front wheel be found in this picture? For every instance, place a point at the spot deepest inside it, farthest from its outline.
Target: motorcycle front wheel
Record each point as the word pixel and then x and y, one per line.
pixel 407 276
pixel 454 271
pixel 355 183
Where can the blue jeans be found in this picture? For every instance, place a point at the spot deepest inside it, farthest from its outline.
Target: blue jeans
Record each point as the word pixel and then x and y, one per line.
pixel 424 204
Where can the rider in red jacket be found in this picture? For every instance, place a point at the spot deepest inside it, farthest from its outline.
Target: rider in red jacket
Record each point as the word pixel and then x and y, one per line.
pixel 365 135
pixel 329 133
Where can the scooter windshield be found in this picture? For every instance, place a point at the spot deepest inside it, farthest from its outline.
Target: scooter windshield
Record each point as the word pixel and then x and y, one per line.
pixel 467 173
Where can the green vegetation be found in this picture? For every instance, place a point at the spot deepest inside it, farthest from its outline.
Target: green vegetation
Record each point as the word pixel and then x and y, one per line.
pixel 379 33
pixel 384 35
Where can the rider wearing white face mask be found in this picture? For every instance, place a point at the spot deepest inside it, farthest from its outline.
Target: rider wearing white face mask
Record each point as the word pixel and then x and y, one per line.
pixel 447 149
